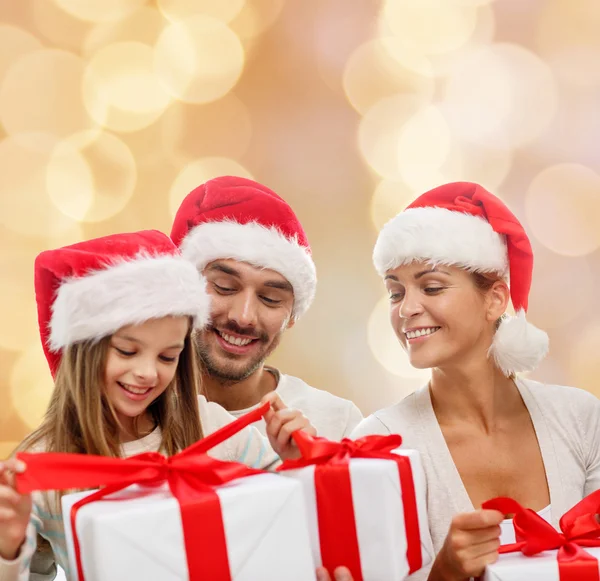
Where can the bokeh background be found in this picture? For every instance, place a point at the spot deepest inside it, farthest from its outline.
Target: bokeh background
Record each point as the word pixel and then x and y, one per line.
pixel 112 110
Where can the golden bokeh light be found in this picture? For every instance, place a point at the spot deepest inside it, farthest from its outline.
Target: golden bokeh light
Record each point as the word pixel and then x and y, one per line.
pixel 562 289
pixel 31 385
pixel 60 28
pixel 429 26
pixel 562 206
pixel 57 75
pixel 501 92
pixel 14 43
pixel 143 25
pixel 199 59
pixel 220 128
pixel 584 363
pixel 7 448
pixel 567 36
pixel 91 180
pixel 100 10
pixel 198 172
pixel 256 17
pixel 225 10
pixel 379 133
pixel 385 345
pixel 121 90
pixel 25 207
pixel 384 67
pixel 388 200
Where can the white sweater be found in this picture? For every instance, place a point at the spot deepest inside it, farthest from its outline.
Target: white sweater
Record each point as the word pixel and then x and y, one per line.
pixel 567 425
pixel 333 417
pixel 248 447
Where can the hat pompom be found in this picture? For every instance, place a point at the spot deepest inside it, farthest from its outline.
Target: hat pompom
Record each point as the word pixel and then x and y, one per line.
pixel 518 345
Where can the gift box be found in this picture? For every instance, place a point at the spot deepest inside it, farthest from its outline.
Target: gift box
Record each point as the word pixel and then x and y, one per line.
pixel 189 516
pixel 543 553
pixel 138 533
pixel 367 505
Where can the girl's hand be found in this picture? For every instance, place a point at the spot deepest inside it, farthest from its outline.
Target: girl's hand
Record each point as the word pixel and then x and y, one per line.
pixel 15 510
pixel 340 574
pixel 282 422
pixel 471 544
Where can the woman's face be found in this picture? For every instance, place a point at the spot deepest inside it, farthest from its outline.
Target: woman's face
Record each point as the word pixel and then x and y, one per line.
pixel 439 316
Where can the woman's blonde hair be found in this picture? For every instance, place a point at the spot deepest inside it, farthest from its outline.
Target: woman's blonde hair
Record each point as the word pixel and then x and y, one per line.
pixel 80 418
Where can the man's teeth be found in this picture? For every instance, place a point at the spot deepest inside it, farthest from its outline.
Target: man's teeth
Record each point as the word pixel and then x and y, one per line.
pixel 136 390
pixel 421 332
pixel 235 340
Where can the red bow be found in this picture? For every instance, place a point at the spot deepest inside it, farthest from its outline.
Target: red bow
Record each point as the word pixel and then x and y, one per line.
pixel 190 474
pixel 337 526
pixel 579 528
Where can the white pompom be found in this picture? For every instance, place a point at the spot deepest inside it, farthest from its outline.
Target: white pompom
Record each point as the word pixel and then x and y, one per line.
pixel 518 345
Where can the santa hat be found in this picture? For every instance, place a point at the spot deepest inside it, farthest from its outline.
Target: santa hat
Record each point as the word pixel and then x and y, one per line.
pixel 89 290
pixel 462 224
pixel 233 217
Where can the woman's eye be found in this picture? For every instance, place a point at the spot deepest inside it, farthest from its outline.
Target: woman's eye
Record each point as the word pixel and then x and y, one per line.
pixel 395 297
pixel 431 290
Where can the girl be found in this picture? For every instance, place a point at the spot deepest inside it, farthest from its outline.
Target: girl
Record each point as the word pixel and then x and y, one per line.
pixel 482 431
pixel 115 316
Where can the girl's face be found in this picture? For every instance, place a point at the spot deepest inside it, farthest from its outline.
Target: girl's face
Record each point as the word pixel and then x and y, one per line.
pixel 141 362
pixel 439 316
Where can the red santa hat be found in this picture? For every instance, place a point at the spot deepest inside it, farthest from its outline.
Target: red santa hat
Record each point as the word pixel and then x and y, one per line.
pixel 89 290
pixel 462 224
pixel 233 217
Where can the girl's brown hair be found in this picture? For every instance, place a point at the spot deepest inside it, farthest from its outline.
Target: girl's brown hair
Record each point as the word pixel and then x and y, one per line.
pixel 80 419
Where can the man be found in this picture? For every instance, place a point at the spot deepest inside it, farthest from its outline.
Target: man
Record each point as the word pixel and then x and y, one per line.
pixel 251 248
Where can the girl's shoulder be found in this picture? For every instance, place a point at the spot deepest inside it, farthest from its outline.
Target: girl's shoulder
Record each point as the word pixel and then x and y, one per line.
pixel 212 415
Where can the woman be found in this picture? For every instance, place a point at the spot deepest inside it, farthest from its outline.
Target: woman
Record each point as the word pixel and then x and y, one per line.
pixel 482 431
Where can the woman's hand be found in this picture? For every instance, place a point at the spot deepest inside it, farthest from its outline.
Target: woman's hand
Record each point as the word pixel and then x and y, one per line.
pixel 15 510
pixel 471 544
pixel 340 574
pixel 282 422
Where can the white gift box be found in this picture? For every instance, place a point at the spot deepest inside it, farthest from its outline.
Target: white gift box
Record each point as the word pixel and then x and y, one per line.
pixel 378 512
pixel 518 567
pixel 264 518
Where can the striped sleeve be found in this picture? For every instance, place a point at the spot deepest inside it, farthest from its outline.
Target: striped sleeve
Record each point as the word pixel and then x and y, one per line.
pixel 18 569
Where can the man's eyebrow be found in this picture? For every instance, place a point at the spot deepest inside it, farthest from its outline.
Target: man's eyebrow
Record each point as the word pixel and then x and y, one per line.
pixel 280 284
pixel 224 269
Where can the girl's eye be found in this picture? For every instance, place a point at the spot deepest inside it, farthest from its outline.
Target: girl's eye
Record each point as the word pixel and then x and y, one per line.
pixel 168 359
pixel 125 353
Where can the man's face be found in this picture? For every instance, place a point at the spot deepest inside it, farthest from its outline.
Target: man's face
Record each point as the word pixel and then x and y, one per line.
pixel 251 308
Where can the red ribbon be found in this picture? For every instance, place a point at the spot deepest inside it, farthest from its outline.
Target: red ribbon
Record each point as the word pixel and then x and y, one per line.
pixel 337 526
pixel 579 528
pixel 190 474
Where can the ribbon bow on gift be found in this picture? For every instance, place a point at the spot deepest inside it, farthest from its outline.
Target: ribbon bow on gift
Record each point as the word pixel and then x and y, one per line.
pixel 579 528
pixel 190 474
pixel 337 525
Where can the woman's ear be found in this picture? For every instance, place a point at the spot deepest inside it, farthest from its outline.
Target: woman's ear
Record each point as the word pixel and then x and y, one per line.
pixel 498 298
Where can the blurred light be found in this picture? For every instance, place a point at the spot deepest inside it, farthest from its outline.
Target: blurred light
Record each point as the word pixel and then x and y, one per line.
pixel 220 128
pixel 91 181
pixel 256 17
pixel 562 289
pixel 54 74
pixel 199 59
pixel 385 67
pixel 144 26
pixel 429 26
pixel 7 448
pixel 562 206
pixel 100 10
pixel 379 133
pixel 225 10
pixel 424 145
pixel 31 385
pixel 502 91
pixel 25 207
pixel 62 29
pixel 198 172
pixel 385 345
pixel 389 199
pixel 121 90
pixel 584 363
pixel 14 43
pixel 568 39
